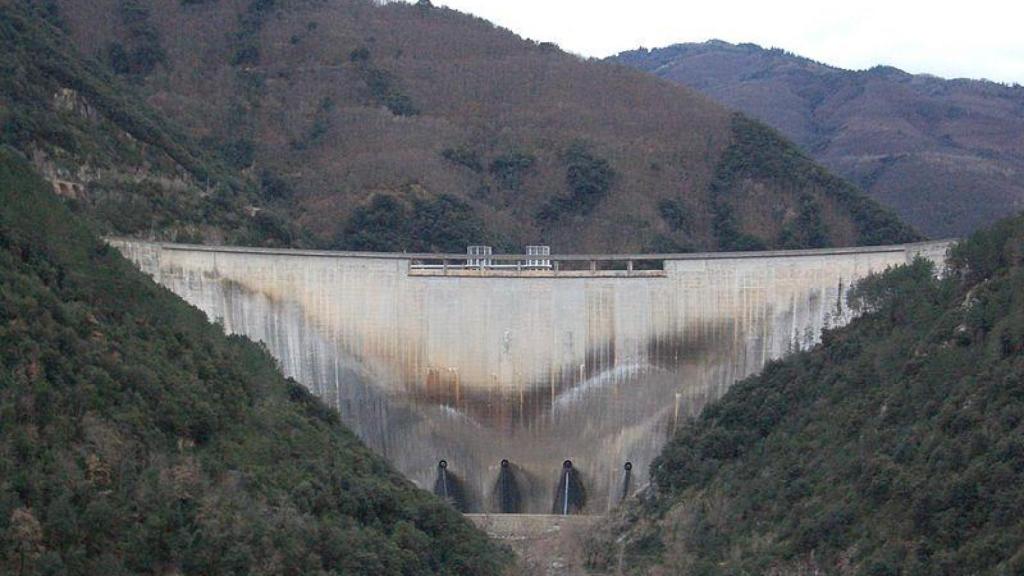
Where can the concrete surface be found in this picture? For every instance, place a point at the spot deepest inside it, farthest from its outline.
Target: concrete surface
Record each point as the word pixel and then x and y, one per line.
pixel 536 369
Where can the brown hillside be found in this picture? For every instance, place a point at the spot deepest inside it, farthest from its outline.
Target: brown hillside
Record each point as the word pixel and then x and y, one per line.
pixel 946 155
pixel 409 127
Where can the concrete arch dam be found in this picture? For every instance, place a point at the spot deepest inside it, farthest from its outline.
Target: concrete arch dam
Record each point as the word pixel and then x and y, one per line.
pixel 536 367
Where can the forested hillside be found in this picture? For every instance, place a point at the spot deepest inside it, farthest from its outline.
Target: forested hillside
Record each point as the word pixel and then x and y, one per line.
pixel 135 438
pixel 112 156
pixel 894 447
pixel 414 127
pixel 946 155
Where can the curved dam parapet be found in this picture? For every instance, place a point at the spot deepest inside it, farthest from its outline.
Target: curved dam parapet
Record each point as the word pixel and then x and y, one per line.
pixel 583 363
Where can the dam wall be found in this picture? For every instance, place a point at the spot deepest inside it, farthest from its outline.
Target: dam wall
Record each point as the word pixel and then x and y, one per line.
pixel 593 366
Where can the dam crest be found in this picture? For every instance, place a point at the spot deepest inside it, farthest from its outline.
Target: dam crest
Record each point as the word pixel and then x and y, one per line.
pixel 520 384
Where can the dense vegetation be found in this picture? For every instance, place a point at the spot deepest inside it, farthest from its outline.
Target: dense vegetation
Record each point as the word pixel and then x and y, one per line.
pixel 386 224
pixel 510 169
pixel 135 438
pixel 589 179
pixel 143 52
pixel 350 100
pixel 945 155
pixel 759 154
pixel 895 447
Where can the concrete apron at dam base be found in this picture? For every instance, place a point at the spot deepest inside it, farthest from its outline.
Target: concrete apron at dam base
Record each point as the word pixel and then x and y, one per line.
pixel 593 362
pixel 546 544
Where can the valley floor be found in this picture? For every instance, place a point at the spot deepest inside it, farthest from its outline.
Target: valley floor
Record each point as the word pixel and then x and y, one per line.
pixel 546 544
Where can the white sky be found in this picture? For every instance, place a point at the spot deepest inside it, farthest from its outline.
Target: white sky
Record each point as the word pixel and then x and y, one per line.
pixel 968 38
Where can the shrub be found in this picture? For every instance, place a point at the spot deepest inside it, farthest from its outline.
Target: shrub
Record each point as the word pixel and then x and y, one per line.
pixel 728 232
pixel 246 54
pixel 384 91
pixel 465 157
pixel 143 52
pixel 807 230
pixel 239 153
pixel 386 224
pixel 247 38
pixel 588 178
pixel 361 54
pixel 663 244
pixel 674 214
pixel 273 187
pixel 511 168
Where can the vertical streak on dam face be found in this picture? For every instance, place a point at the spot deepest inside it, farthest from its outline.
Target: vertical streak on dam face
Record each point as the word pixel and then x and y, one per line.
pixel 533 369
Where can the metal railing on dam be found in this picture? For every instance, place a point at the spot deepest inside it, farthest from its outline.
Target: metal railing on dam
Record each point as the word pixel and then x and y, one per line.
pixel 508 375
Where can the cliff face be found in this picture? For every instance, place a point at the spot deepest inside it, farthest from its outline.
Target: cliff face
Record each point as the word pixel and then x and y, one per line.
pixel 594 369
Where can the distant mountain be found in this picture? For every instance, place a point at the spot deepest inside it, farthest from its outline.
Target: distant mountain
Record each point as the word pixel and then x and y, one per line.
pixel 946 155
pixel 894 447
pixel 136 438
pixel 409 127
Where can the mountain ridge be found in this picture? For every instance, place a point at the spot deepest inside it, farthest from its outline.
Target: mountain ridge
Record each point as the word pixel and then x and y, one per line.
pixel 715 44
pixel 944 154
pixel 408 127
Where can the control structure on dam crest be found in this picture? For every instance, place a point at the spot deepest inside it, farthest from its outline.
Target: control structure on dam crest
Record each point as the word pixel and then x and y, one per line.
pixel 520 384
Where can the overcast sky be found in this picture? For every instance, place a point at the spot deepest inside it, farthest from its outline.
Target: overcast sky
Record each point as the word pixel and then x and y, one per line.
pixel 972 38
